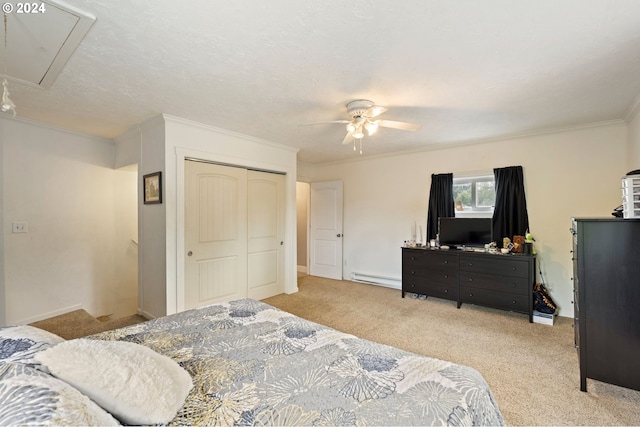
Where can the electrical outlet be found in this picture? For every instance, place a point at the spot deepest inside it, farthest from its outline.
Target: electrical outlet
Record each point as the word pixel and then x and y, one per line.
pixel 20 227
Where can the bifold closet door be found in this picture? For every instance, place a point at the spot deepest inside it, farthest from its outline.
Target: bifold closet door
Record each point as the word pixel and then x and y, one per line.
pixel 215 233
pixel 234 233
pixel 265 233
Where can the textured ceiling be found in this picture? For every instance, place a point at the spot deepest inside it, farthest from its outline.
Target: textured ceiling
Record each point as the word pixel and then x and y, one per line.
pixel 464 70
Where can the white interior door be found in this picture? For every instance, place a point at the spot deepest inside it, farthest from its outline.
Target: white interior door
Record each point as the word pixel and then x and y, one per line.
pixel 326 229
pixel 266 222
pixel 215 233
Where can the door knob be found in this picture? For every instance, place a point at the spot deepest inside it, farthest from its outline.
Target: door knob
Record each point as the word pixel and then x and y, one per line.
pixel 281 243
pixel 338 235
pixel 189 253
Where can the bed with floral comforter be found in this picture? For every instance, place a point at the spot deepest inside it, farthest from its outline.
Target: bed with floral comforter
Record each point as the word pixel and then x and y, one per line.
pixel 253 364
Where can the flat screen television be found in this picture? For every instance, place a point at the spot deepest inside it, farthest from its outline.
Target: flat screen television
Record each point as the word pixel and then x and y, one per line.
pixel 471 232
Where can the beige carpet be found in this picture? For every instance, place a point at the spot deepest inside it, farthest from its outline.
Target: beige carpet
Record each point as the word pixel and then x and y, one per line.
pixel 79 323
pixel 532 369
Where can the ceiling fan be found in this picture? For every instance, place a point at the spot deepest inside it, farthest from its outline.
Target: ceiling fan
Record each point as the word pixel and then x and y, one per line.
pixel 362 113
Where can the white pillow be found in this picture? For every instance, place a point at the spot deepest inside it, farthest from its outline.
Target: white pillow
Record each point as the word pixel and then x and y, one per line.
pixel 19 344
pixel 31 397
pixel 133 382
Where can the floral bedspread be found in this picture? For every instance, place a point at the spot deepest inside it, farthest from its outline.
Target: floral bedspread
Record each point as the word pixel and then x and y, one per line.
pixel 253 364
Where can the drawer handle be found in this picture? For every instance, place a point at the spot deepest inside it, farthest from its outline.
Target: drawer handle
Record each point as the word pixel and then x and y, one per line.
pixel 514 302
pixel 471 279
pixel 446 276
pixel 413 272
pixel 413 285
pixel 446 262
pixel 413 258
pixel 470 264
pixel 470 295
pixel 514 285
pixel 513 268
pixel 446 290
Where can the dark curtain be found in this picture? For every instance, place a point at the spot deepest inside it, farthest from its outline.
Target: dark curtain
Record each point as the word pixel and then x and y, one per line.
pixel 510 214
pixel 440 202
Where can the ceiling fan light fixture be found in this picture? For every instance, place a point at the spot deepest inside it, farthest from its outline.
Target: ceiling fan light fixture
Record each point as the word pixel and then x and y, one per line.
pixel 362 113
pixel 358 134
pixel 371 127
pixel 7 103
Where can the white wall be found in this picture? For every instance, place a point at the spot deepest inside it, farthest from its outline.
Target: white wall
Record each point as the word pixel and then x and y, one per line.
pixel 64 185
pixel 3 302
pixel 123 296
pixel 634 139
pixel 152 224
pixel 570 173
pixel 166 142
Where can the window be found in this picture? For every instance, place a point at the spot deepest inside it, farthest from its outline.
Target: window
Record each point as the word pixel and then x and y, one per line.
pixel 475 195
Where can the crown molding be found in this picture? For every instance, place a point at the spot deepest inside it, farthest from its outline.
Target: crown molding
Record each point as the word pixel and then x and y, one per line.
pixel 633 110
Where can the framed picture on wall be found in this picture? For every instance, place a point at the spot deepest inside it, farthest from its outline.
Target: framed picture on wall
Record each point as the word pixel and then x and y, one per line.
pixel 152 185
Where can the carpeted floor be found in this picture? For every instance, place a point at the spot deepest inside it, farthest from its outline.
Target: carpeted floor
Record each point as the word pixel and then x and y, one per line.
pixel 79 323
pixel 532 369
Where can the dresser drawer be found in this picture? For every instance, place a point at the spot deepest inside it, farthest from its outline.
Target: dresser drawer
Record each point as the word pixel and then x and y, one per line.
pixel 504 301
pixel 443 277
pixel 443 291
pixel 414 256
pixel 414 286
pixel 443 261
pixel 437 290
pixel 429 258
pixel 499 265
pixel 430 274
pixel 410 270
pixel 508 284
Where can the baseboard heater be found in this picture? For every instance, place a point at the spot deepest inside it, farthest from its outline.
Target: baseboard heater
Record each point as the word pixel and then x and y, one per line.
pixel 373 279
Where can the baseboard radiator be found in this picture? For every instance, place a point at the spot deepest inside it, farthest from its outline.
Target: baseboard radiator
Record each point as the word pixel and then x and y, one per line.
pixel 389 282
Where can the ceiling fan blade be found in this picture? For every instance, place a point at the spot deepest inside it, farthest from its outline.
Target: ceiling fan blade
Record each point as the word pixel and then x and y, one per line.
pixel 374 111
pixel 398 125
pixel 324 123
pixel 348 138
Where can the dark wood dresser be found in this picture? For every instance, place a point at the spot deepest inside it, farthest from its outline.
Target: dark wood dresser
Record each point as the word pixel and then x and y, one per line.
pixel 606 280
pixel 493 280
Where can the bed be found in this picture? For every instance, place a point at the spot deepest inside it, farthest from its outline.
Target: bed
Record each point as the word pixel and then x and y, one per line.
pixel 252 364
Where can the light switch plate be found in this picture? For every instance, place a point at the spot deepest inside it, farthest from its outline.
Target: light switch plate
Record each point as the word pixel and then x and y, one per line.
pixel 20 227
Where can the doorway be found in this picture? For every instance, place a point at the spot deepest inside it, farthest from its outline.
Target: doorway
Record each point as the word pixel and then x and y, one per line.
pixel 124 297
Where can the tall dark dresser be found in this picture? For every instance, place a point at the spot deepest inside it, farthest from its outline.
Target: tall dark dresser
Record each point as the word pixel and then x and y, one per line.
pixel 606 274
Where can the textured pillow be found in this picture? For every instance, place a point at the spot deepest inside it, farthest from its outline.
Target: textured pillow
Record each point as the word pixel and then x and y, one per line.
pixel 18 344
pixel 31 397
pixel 134 383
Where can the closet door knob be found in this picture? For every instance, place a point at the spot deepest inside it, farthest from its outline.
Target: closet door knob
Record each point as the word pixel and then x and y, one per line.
pixel 189 253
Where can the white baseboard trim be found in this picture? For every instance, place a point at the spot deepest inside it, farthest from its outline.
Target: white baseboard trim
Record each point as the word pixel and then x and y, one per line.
pixel 48 315
pixel 302 269
pixel 374 279
pixel 145 314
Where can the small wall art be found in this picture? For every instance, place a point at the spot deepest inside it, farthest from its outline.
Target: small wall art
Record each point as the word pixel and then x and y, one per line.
pixel 152 187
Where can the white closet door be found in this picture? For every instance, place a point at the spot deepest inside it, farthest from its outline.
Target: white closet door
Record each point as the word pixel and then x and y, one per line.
pixel 266 222
pixel 215 233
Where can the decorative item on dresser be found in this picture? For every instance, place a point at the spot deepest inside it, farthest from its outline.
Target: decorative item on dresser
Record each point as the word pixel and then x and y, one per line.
pixel 606 277
pixel 502 281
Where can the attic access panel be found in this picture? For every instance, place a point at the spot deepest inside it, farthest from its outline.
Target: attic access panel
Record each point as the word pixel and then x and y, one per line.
pixel 40 44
